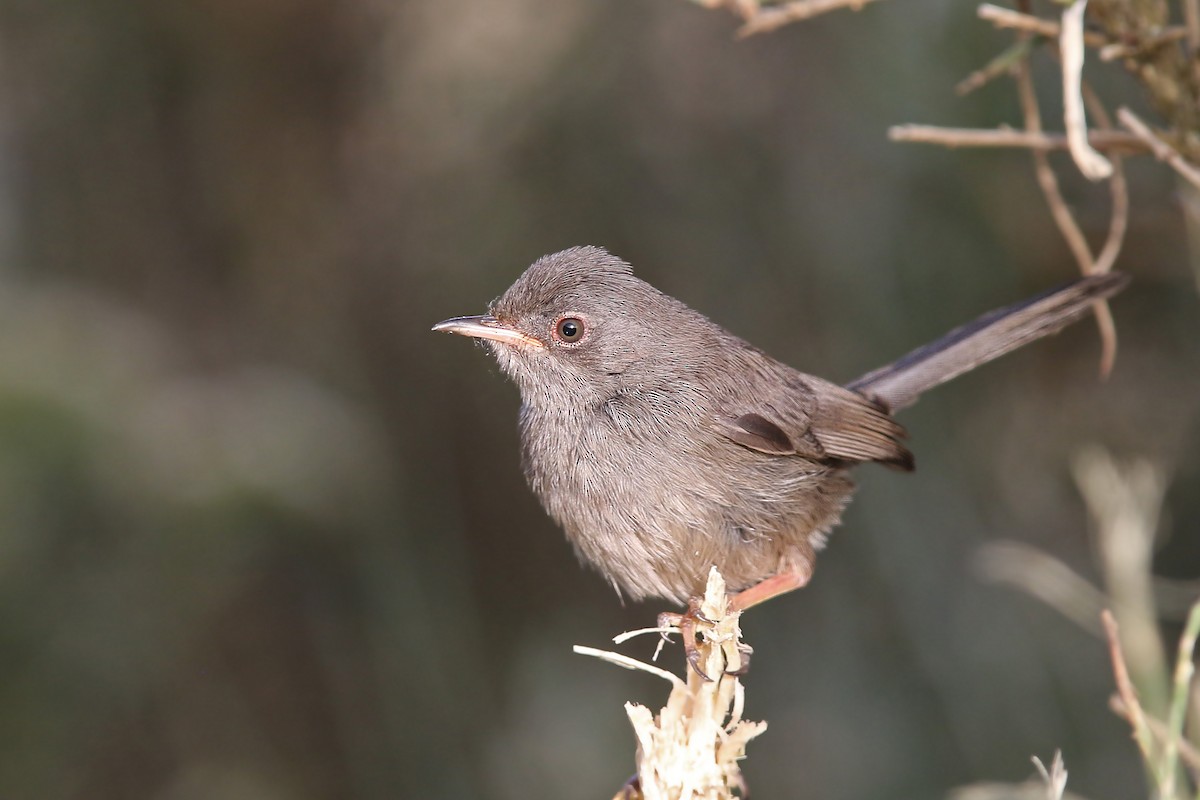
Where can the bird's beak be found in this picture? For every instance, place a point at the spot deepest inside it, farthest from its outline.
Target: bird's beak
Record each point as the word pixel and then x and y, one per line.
pixel 486 326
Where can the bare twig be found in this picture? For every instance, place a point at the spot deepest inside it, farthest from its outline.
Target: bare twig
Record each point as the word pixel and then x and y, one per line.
pixel 1111 52
pixel 1046 178
pixel 1015 20
pixel 1125 500
pixel 1010 138
pixel 1134 713
pixel 1007 18
pixel 1161 149
pixel 1000 65
pixel 1094 166
pixel 1063 217
pixel 622 660
pixel 1117 225
pixel 1187 751
pixel 1184 669
pixel 775 17
pixel 1119 221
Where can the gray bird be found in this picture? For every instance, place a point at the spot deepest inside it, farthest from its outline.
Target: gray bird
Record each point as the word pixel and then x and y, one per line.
pixel 664 445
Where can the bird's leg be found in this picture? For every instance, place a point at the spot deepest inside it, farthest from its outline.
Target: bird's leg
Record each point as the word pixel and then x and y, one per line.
pixel 792 577
pixel 686 622
pixel 760 593
pixel 773 586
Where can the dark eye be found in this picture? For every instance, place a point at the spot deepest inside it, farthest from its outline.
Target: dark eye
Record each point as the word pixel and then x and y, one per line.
pixel 569 329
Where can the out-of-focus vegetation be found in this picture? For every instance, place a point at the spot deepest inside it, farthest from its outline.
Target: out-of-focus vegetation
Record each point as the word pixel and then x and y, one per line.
pixel 262 535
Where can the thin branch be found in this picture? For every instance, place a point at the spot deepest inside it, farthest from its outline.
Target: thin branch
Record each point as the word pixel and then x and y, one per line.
pixel 1065 220
pixel 1187 751
pixel 1134 713
pixel 1184 669
pixel 1118 224
pixel 775 17
pixel 1161 149
pixel 1002 64
pixel 1015 20
pixel 625 661
pixel 1008 137
pixel 1109 51
pixel 1046 178
pixel 1094 166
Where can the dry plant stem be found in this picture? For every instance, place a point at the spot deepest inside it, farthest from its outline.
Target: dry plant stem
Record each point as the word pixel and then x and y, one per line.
pixel 1094 166
pixel 1111 52
pixel 627 662
pixel 1009 138
pixel 1045 174
pixel 1161 150
pixel 1055 777
pixel 1134 713
pixel 1158 729
pixel 1007 18
pixel 1117 226
pixel 1119 220
pixel 1002 64
pixel 691 748
pixel 1015 20
pixel 1184 670
pixel 766 20
pixel 1124 500
pixel 1062 215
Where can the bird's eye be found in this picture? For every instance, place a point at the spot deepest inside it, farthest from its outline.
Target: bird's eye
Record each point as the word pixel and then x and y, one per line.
pixel 569 329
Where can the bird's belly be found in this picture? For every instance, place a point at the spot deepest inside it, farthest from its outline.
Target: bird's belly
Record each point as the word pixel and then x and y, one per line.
pixel 654 520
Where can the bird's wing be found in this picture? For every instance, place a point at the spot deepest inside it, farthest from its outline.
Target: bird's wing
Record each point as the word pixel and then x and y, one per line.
pixel 819 420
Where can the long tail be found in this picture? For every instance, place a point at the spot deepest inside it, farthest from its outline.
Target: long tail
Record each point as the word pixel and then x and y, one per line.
pixel 900 383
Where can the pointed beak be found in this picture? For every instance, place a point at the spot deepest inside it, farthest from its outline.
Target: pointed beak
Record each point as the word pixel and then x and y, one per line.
pixel 486 326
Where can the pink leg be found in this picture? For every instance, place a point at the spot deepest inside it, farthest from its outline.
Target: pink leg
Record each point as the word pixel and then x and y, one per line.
pixel 760 592
pixel 772 587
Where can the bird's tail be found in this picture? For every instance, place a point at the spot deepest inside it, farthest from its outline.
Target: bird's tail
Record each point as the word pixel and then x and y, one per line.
pixel 900 383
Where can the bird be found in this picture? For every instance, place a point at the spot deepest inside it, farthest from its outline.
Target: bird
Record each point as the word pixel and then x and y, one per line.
pixel 664 445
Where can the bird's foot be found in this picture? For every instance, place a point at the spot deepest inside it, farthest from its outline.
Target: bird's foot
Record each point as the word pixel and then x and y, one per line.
pixel 686 623
pixel 745 651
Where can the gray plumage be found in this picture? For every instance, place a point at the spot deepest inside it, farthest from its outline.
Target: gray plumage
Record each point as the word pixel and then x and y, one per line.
pixel 663 444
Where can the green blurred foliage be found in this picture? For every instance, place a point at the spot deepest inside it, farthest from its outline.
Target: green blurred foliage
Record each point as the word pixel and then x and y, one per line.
pixel 262 535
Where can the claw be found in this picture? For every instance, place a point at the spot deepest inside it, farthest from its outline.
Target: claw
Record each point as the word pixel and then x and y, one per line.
pixel 669 619
pixel 632 790
pixel 745 651
pixel 686 623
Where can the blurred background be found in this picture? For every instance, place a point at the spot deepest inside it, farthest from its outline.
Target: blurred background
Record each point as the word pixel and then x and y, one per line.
pixel 263 535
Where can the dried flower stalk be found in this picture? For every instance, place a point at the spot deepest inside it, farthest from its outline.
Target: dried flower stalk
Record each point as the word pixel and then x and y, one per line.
pixel 690 750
